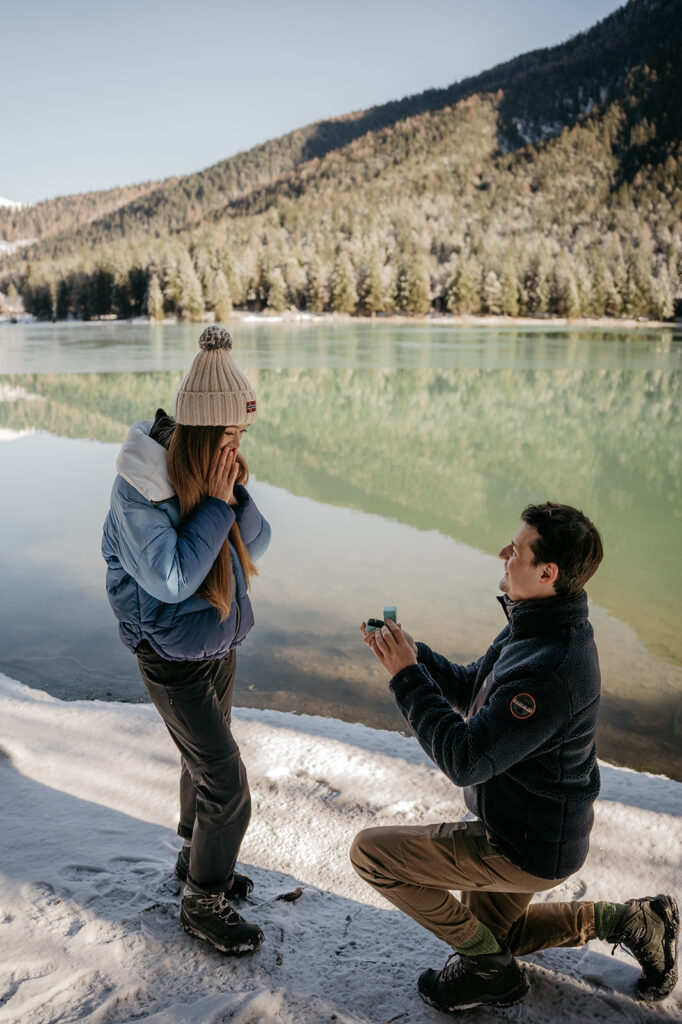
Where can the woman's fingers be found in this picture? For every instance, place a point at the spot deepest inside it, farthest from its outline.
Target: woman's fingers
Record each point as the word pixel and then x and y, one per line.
pixel 222 473
pixel 225 461
pixel 217 462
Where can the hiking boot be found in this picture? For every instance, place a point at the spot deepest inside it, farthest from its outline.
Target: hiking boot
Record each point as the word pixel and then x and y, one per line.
pixel 649 930
pixel 466 981
pixel 214 919
pixel 241 884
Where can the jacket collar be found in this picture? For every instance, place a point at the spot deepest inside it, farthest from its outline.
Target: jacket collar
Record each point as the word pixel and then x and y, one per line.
pixel 547 615
pixel 144 464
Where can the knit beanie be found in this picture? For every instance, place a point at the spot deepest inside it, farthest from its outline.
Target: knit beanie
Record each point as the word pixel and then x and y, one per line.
pixel 215 392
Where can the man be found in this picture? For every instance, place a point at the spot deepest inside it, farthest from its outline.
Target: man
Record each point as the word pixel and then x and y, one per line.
pixel 516 729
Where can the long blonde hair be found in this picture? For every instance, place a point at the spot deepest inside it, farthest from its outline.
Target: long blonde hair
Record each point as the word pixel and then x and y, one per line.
pixel 189 455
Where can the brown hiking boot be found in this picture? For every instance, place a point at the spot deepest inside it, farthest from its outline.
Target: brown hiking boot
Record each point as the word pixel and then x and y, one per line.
pixel 649 930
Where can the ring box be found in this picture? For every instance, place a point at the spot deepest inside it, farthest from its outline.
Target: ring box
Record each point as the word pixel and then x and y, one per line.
pixel 390 612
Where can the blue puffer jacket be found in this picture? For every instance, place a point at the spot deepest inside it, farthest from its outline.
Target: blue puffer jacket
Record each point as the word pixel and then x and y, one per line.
pixel 155 565
pixel 516 729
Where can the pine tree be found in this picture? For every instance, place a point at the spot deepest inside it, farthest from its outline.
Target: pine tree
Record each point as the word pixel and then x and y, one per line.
pixel 154 300
pixel 464 287
pixel 638 300
pixel 190 296
pixel 63 300
pixel 12 298
pixel 102 292
pixel 583 285
pixel 492 294
pixel 662 305
pixel 598 293
pixel 234 277
pixel 276 290
pixel 138 279
pixel 536 283
pixel 203 269
pixel 613 305
pixel 564 299
pixel 374 295
pixel 317 290
pixel 344 296
pixel 510 286
pixel 222 303
pixel 296 280
pixel 414 285
pixel 122 303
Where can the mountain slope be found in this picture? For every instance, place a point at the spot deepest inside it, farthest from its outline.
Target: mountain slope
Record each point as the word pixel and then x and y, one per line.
pixel 392 207
pixel 544 91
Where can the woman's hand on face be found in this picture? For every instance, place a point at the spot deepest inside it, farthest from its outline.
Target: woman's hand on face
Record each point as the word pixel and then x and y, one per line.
pixel 222 475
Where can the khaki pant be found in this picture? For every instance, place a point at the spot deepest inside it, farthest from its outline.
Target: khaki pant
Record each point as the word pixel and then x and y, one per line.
pixel 415 867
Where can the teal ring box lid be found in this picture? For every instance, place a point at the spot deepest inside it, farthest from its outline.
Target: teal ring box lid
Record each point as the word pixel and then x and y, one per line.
pixel 390 612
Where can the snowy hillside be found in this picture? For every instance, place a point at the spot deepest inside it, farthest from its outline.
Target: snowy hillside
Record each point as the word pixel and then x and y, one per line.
pixel 89 906
pixel 10 203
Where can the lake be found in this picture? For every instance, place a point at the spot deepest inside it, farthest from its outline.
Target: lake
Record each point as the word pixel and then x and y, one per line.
pixel 392 461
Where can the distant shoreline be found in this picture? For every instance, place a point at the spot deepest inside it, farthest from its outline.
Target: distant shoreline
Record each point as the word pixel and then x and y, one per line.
pixel 436 319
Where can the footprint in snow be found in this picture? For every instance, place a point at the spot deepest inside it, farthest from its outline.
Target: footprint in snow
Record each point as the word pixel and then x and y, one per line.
pixel 570 890
pixel 82 872
pixel 323 791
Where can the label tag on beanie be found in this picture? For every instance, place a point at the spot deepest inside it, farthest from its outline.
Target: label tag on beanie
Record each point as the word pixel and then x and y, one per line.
pixel 250 407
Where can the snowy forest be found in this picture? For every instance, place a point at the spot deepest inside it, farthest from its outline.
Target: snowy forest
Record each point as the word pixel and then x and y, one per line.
pixel 549 186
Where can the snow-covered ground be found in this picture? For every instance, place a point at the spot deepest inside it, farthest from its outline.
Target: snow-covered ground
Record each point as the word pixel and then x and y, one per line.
pixel 89 906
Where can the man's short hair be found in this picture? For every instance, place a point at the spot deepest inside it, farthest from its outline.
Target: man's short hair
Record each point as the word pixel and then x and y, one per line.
pixel 567 538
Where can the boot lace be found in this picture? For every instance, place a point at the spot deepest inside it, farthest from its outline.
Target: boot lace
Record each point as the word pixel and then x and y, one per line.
pixel 220 906
pixel 452 968
pixel 457 966
pixel 633 942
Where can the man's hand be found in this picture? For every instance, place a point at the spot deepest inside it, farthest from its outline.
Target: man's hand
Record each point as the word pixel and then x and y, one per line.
pixel 394 649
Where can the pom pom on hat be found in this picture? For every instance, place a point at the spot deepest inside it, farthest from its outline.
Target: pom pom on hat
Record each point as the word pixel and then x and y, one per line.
pixel 215 337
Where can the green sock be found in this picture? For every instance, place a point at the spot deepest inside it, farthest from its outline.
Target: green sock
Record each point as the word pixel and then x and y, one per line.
pixel 481 942
pixel 607 917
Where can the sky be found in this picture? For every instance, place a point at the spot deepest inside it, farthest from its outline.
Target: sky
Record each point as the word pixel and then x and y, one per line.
pixel 99 95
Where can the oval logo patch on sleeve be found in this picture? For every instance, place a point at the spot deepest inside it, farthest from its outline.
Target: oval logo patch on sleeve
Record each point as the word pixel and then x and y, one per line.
pixel 522 705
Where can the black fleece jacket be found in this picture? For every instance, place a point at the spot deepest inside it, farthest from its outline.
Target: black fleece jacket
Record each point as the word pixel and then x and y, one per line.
pixel 516 729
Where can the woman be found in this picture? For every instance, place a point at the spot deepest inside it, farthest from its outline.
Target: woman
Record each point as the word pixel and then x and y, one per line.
pixel 180 542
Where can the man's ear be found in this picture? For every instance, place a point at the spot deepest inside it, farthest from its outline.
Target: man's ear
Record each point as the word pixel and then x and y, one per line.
pixel 550 572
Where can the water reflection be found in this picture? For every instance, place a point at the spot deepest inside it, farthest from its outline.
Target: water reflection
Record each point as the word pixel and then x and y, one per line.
pixel 459 451
pixel 328 568
pixel 317 344
pixel 393 464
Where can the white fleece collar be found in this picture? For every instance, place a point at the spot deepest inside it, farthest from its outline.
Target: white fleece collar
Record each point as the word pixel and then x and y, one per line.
pixel 143 462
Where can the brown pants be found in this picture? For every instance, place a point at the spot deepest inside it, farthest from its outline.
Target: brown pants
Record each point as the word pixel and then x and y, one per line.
pixel 415 867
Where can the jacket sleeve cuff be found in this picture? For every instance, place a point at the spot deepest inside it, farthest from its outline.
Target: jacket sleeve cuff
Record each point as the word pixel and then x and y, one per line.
pixel 216 506
pixel 403 683
pixel 247 515
pixel 242 495
pixel 424 653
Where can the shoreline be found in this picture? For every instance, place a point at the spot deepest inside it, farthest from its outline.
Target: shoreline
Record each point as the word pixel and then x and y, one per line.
pixel 402 319
pixel 350 715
